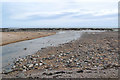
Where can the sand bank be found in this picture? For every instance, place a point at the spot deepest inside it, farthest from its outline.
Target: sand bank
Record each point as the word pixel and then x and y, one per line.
pixel 12 37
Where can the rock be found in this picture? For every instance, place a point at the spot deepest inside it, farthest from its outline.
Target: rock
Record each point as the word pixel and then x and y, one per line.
pixel 46 67
pixel 41 61
pixel 75 60
pixel 53 55
pixel 50 68
pixel 38 56
pixel 24 70
pixel 78 63
pixel 14 67
pixel 80 71
pixel 60 72
pixel 30 65
pixel 34 59
pixel 48 74
pixel 61 54
pixel 71 60
pixel 25 48
pixel 40 64
pixel 68 62
pixel 80 45
pixel 24 67
pixel 67 53
pixel 36 64
pixel 88 71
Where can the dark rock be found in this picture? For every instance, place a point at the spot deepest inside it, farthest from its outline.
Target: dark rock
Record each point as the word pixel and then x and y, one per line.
pixel 67 53
pixel 88 71
pixel 25 48
pixel 60 72
pixel 48 74
pixel 80 71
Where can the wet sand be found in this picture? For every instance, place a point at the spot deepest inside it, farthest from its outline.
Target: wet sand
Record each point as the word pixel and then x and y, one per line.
pixel 13 37
pixel 94 55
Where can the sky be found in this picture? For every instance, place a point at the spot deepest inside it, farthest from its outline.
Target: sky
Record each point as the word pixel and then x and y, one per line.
pixel 59 13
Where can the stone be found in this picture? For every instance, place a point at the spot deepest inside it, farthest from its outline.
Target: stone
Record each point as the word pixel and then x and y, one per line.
pixel 88 71
pixel 80 71
pixel 36 64
pixel 67 53
pixel 60 72
pixel 40 64
pixel 14 67
pixel 41 61
pixel 78 63
pixel 25 48
pixel 24 67
pixel 70 60
pixel 48 74
pixel 30 65
pixel 59 55
pixel 46 67
pixel 38 56
pixel 80 45
pixel 24 70
pixel 50 68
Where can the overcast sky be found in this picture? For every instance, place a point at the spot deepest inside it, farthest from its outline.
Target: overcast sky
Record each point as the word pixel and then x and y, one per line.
pixel 60 13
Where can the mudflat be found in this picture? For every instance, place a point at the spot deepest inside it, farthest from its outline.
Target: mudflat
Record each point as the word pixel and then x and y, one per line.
pixel 12 37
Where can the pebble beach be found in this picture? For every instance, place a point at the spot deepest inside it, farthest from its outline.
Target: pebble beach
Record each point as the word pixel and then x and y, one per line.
pixel 94 55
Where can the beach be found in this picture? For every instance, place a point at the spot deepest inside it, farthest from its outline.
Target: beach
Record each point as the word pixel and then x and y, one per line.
pixel 13 37
pixel 93 55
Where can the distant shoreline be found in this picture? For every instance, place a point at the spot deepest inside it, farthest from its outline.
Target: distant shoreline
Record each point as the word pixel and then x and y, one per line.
pixel 51 29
